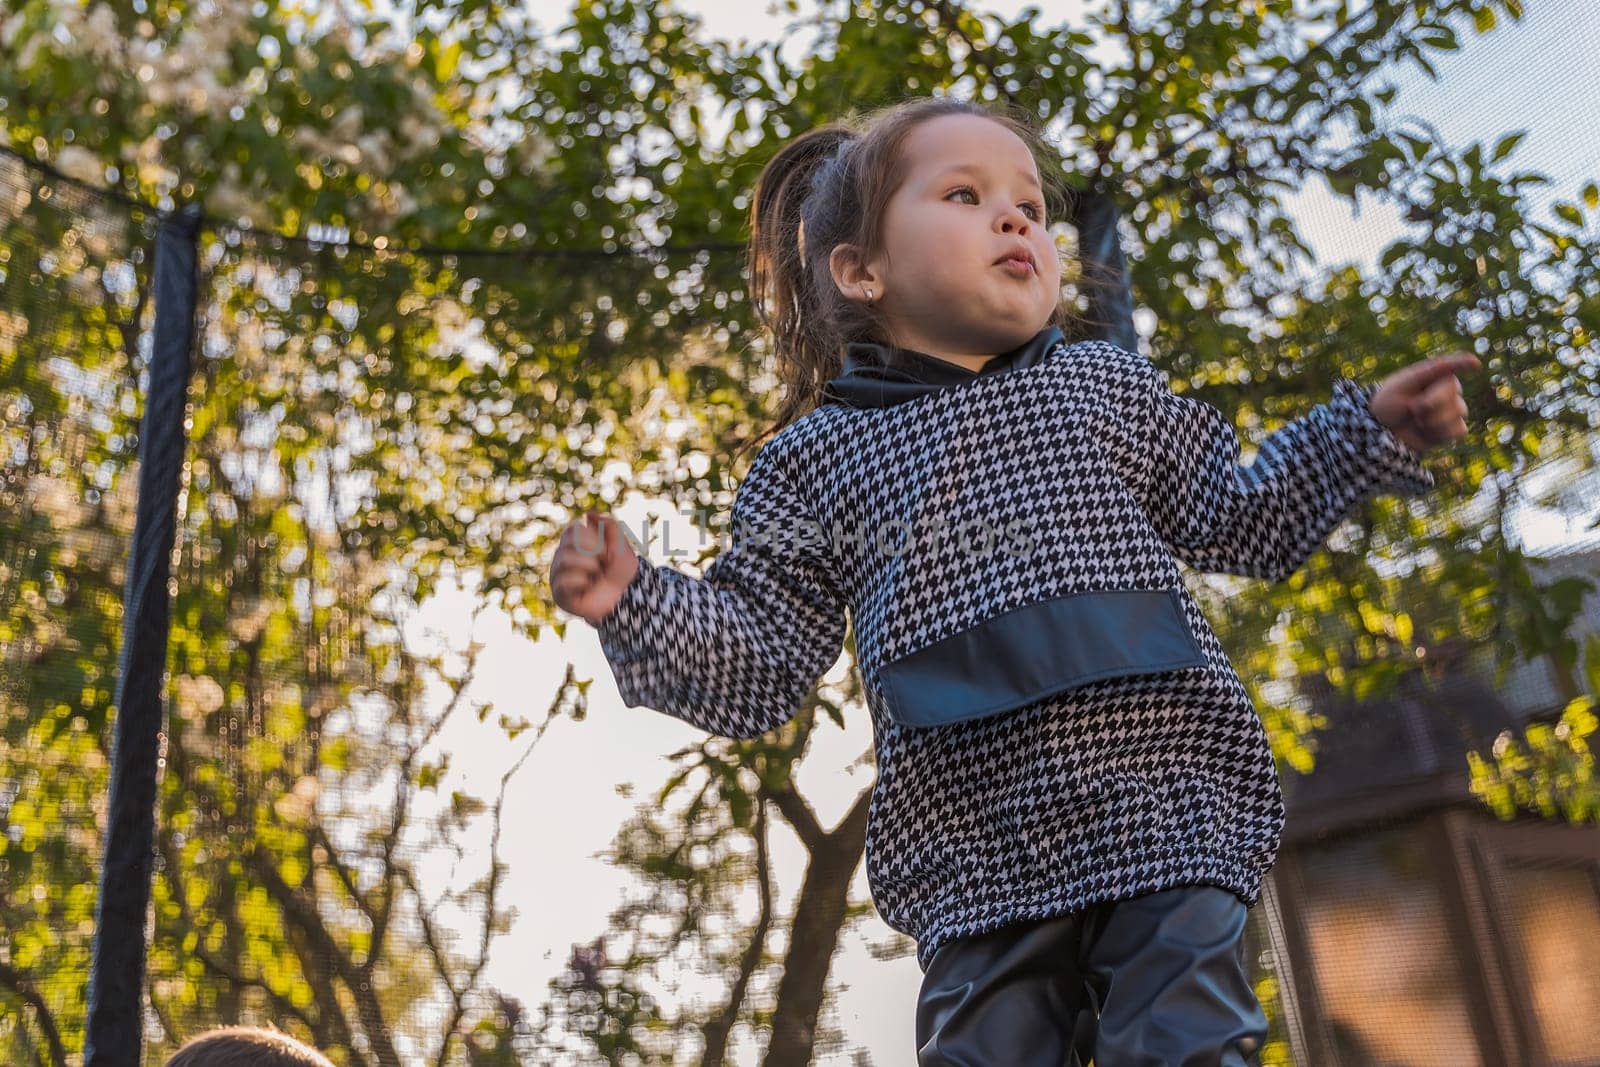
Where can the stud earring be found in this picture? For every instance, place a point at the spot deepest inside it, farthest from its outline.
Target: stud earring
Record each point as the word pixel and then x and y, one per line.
pixel 869 296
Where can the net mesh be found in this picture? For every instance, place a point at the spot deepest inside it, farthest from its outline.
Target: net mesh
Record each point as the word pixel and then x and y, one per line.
pixel 73 346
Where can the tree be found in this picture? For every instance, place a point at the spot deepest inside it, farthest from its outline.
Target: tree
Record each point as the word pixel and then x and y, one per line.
pixel 287 884
pixel 367 422
pixel 1210 230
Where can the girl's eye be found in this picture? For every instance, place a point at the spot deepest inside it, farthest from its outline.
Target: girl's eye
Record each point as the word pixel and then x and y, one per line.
pixel 1036 213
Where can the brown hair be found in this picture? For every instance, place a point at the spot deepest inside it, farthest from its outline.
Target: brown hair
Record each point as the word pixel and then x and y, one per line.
pixel 247 1046
pixel 831 186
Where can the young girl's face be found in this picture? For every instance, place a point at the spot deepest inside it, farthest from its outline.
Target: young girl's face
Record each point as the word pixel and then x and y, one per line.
pixel 970 198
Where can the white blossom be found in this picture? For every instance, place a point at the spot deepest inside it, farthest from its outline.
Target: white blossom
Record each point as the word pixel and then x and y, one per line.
pixel 84 284
pixel 224 24
pixel 12 326
pixel 8 30
pixel 99 35
pixel 417 137
pixel 315 144
pixel 76 161
pixel 346 125
pixel 56 500
pixel 66 16
pixel 375 149
pixel 392 202
pixel 30 50
pixel 230 200
pixel 198 696
pixel 160 93
pixel 534 150
pixel 424 99
pixel 250 615
pixel 299 803
pixel 149 163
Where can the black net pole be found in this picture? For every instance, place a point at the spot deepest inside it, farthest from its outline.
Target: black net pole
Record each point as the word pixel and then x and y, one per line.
pixel 1105 281
pixel 115 1020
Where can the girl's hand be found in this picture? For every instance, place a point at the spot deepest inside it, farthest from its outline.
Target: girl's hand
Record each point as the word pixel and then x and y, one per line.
pixel 1421 404
pixel 593 564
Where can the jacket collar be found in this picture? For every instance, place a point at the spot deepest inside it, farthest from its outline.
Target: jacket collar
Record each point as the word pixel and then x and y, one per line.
pixel 879 376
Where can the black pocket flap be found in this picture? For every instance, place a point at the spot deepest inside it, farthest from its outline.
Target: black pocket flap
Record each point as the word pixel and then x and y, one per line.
pixel 1037 650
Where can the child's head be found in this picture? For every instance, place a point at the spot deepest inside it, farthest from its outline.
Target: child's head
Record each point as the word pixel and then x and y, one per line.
pixel 890 229
pixel 246 1046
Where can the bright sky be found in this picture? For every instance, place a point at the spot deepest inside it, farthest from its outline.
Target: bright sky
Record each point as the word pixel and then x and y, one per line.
pixel 563 894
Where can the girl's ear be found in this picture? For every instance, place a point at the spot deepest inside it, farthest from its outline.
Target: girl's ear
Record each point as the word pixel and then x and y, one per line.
pixel 856 279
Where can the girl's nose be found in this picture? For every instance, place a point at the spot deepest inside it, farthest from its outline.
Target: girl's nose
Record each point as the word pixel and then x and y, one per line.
pixel 1014 221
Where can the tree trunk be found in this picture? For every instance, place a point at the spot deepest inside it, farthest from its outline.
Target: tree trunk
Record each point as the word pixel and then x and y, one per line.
pixel 818 921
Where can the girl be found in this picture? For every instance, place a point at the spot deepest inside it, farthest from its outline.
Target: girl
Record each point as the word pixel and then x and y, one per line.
pixel 1076 800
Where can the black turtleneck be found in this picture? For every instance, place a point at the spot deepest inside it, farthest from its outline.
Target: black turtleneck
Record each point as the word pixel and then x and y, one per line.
pixel 879 376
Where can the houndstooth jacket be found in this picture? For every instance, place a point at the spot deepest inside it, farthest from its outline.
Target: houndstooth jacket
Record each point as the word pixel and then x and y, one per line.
pixel 1055 723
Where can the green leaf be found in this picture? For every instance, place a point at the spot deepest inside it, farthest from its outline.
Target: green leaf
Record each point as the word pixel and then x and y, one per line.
pixel 1507 144
pixel 1419 147
pixel 672 784
pixel 1342 182
pixel 739 806
pixel 1441 37
pixel 449 58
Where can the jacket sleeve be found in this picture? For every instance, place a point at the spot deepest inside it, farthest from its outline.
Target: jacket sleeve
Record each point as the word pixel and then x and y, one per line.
pixel 735 651
pixel 1265 518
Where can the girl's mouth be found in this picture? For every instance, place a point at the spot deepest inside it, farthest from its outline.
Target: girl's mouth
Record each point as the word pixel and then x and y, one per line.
pixel 1017 266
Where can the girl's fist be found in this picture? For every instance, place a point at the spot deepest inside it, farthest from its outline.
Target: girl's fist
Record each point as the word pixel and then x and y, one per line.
pixel 593 564
pixel 1422 404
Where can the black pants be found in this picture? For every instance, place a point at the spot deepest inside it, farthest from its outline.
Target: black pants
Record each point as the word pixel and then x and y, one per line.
pixel 1155 981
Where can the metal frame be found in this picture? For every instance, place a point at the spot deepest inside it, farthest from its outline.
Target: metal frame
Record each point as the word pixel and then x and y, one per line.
pixel 1473 849
pixel 1536 844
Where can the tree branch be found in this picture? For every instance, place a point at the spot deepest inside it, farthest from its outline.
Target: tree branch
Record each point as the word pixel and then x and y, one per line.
pixel 19 984
pixel 800 816
pixel 819 916
pixel 304 915
pixel 718 1029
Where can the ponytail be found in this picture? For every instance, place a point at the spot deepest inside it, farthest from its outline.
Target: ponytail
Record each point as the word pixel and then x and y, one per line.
pixel 801 198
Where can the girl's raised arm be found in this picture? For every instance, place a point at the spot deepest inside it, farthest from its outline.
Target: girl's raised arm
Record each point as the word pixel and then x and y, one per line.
pixel 734 652
pixel 1265 518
